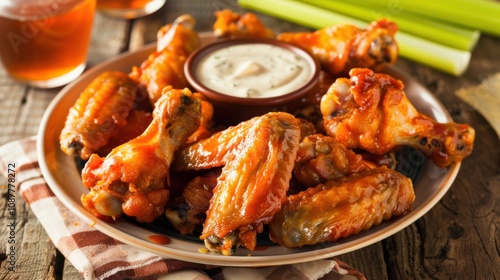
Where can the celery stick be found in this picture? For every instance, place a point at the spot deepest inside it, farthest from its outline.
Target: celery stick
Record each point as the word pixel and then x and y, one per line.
pixel 301 13
pixel 459 38
pixel 446 59
pixel 481 15
pixel 423 51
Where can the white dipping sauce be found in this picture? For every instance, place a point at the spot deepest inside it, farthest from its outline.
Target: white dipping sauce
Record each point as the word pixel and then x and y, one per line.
pixel 253 70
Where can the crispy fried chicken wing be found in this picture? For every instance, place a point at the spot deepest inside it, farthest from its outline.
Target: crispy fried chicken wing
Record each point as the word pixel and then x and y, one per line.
pixel 101 109
pixel 137 122
pixel 231 24
pixel 133 177
pixel 206 127
pixel 342 47
pixel 307 128
pixel 371 111
pixel 212 151
pixel 321 158
pixel 189 210
pixel 339 208
pixel 165 67
pixel 257 158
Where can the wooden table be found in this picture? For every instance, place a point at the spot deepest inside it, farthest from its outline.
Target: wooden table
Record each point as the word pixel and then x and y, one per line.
pixel 458 239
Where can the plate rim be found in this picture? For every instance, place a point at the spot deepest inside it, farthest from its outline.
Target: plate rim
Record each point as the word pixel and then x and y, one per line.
pixel 114 230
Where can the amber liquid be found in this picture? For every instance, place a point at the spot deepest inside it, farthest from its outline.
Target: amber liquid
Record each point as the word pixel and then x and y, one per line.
pixel 122 4
pixel 129 9
pixel 45 41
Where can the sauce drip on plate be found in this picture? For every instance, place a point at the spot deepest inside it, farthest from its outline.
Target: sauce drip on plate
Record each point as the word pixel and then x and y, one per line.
pixel 159 239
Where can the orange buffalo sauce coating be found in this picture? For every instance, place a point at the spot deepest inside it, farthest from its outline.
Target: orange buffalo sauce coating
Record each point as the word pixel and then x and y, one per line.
pixel 159 239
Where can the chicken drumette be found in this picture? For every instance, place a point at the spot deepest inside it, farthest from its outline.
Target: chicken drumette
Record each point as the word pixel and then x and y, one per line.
pixel 342 47
pixel 133 178
pixel 321 158
pixel 371 111
pixel 165 67
pixel 232 25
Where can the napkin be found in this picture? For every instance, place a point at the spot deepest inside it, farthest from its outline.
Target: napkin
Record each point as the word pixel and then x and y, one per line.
pixel 485 98
pixel 98 256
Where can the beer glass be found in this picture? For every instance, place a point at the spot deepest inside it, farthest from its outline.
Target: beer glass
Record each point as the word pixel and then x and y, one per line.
pixel 129 9
pixel 44 43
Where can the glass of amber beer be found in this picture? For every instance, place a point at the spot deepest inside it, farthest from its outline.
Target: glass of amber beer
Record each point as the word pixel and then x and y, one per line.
pixel 44 43
pixel 129 9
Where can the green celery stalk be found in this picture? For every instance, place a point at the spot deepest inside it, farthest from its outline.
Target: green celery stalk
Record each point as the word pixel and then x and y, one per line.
pixel 440 57
pixel 481 15
pixel 443 58
pixel 446 34
pixel 299 13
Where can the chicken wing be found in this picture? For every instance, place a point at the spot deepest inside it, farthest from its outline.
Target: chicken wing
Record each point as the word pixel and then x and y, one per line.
pixel 342 47
pixel 137 122
pixel 321 158
pixel 101 109
pixel 188 212
pixel 206 127
pixel 232 25
pixel 371 111
pixel 257 158
pixel 339 208
pixel 104 106
pixel 133 178
pixel 165 67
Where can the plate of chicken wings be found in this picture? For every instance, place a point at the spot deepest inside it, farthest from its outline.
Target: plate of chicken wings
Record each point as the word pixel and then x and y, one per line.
pixel 130 149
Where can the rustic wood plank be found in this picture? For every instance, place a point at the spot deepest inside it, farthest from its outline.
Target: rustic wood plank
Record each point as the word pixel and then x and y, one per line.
pixel 23 107
pixel 143 30
pixel 12 97
pixel 109 38
pixel 369 261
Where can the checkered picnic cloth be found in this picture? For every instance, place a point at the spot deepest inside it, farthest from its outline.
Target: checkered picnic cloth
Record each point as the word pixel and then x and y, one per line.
pixel 98 256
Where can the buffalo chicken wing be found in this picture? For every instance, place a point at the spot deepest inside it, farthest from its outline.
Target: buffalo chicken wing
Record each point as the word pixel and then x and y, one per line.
pixel 342 47
pixel 339 208
pixel 165 67
pixel 321 158
pixel 371 111
pixel 188 212
pixel 257 158
pixel 133 178
pixel 101 109
pixel 232 25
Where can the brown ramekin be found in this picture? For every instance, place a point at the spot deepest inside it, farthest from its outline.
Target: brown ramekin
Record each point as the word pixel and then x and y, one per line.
pixel 230 110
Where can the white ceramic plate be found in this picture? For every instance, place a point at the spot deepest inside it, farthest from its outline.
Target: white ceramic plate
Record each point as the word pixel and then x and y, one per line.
pixel 62 175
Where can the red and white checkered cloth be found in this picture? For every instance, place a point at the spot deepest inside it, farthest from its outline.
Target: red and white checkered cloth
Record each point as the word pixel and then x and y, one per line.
pixel 98 256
